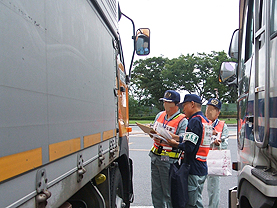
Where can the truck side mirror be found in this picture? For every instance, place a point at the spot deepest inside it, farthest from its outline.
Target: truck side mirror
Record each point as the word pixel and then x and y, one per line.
pixel 227 73
pixel 234 45
pixel 142 42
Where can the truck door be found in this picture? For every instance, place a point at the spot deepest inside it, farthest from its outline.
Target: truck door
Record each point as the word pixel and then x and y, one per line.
pixel 273 75
pixel 245 98
pixel 261 86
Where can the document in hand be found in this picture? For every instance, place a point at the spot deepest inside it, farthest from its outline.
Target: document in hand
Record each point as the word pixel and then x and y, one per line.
pixel 165 133
pixel 146 129
pixel 152 132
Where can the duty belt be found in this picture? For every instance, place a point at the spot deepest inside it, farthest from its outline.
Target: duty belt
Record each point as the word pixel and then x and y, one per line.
pixel 170 154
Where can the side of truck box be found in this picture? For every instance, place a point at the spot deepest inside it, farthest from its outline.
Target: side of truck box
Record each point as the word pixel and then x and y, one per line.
pixel 63 91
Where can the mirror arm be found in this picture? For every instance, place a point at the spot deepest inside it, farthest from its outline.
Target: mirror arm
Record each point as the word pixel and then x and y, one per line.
pixel 128 77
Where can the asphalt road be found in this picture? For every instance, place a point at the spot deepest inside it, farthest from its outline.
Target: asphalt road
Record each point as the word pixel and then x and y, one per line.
pixel 140 144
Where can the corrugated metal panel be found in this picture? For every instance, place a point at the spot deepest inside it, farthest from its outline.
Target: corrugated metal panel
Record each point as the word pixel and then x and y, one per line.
pixel 112 5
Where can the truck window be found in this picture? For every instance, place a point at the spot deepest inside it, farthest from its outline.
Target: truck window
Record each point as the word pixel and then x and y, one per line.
pixel 273 18
pixel 249 32
pixel 246 49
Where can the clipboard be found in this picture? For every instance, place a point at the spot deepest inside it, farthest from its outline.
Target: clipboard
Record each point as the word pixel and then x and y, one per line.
pixel 150 131
pixel 146 129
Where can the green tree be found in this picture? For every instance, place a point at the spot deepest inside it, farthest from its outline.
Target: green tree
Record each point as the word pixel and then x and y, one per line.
pixel 179 73
pixel 209 67
pixel 199 74
pixel 147 84
pixel 133 106
pixel 194 73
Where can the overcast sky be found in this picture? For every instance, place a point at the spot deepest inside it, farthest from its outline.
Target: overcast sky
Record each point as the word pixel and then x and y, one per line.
pixel 180 26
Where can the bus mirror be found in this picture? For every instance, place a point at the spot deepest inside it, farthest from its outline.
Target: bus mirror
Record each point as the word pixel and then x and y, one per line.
pixel 234 45
pixel 227 73
pixel 143 41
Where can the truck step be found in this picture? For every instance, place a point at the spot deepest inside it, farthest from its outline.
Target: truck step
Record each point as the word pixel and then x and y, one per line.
pixel 267 176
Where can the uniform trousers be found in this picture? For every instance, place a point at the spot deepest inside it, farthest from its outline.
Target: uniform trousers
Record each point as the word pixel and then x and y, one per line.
pixel 160 181
pixel 195 188
pixel 213 190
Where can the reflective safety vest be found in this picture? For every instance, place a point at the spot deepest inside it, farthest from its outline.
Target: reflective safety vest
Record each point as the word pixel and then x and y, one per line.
pixel 219 128
pixel 204 147
pixel 171 126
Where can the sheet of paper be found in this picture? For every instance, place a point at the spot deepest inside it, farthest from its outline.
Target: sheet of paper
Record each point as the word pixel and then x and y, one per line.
pixel 162 131
pixel 158 137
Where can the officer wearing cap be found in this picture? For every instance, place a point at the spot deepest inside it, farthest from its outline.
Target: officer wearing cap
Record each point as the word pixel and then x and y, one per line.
pixel 219 141
pixel 195 144
pixel 162 155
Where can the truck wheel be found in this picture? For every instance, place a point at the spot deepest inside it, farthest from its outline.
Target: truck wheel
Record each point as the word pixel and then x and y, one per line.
pixel 116 189
pixel 246 199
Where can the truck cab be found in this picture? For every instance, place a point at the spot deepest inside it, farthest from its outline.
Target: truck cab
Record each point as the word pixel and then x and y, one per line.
pixel 254 46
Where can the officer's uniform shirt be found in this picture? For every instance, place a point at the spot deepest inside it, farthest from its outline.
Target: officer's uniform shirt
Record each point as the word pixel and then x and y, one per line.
pixel 194 125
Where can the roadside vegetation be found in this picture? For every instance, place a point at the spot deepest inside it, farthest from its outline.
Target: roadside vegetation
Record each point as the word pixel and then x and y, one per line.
pixel 227 121
pixel 191 73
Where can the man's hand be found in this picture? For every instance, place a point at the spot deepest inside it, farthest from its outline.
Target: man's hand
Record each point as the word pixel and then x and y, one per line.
pixel 215 132
pixel 153 132
pixel 173 142
pixel 174 136
pixel 158 141
pixel 217 142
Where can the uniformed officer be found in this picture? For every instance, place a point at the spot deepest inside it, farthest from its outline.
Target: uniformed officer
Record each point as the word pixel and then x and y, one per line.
pixel 196 144
pixel 219 141
pixel 162 155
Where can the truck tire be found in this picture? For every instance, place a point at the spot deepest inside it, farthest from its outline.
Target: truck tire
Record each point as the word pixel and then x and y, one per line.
pixel 116 189
pixel 246 199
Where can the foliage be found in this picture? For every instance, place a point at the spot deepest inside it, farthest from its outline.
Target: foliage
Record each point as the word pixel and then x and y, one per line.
pixel 209 66
pixel 140 111
pixel 197 74
pixel 133 106
pixel 179 73
pixel 228 120
pixel 147 81
pixel 148 118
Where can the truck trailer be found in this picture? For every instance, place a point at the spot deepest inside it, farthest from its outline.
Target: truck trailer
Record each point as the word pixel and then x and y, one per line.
pixel 64 121
pixel 254 45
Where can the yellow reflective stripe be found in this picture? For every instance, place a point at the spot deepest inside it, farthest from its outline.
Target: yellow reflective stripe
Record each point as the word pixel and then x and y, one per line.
pixel 64 148
pixel 170 154
pixel 16 164
pixel 13 165
pixel 108 134
pixel 177 116
pixel 92 140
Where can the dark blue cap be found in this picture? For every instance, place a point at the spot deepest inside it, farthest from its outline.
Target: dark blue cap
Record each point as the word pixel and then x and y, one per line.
pixel 214 102
pixel 171 96
pixel 192 97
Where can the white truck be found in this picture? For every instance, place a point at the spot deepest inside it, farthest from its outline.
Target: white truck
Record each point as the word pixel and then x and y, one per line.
pixel 254 45
pixel 64 120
